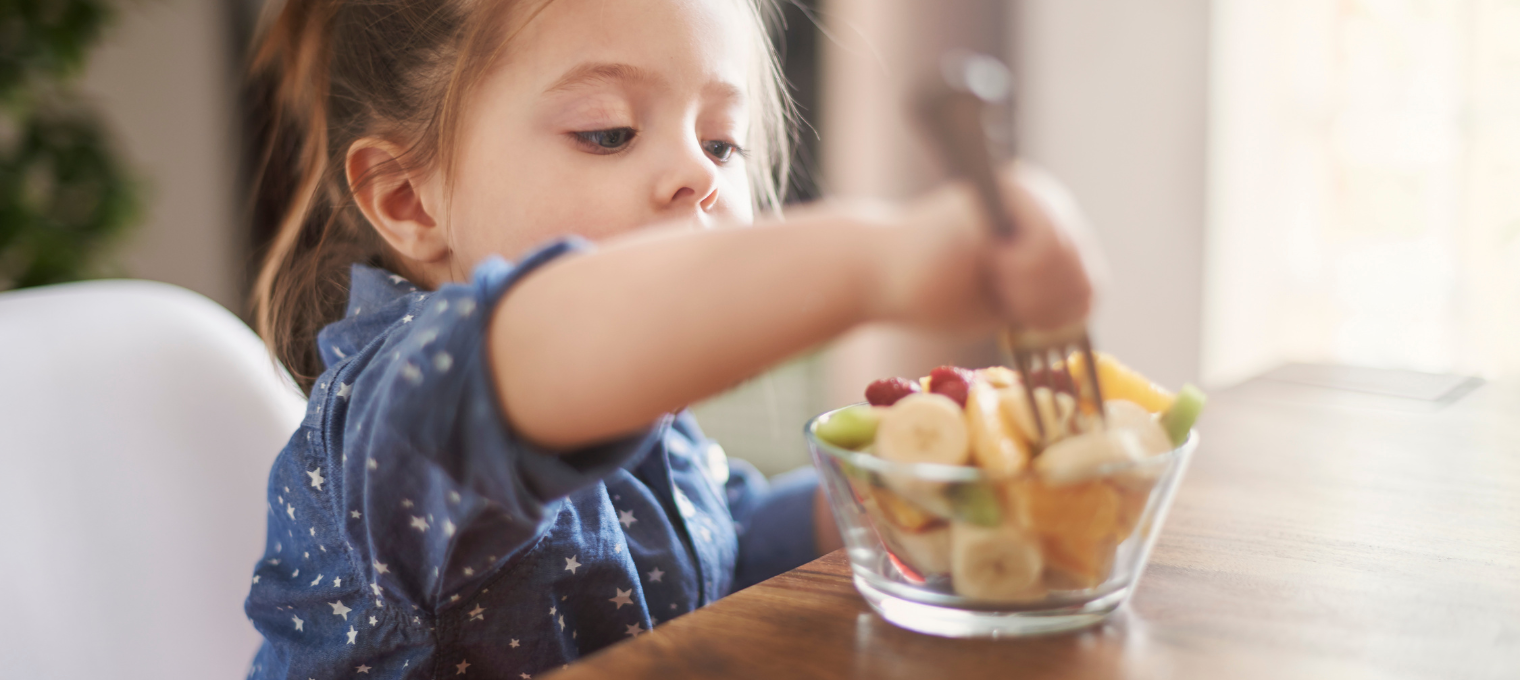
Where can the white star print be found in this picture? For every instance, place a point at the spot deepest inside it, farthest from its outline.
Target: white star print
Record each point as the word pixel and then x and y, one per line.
pixel 305 555
pixel 656 575
pixel 443 362
pixel 376 588
pixel 317 580
pixel 339 609
pixel 419 523
pixel 407 503
pixel 362 669
pixel 407 319
pixel 295 573
pixel 313 531
pixel 562 622
pixel 344 389
pixel 514 643
pixel 469 571
pixel 626 518
pixel 571 564
pixel 633 630
pixel 462 666
pixel 524 676
pixel 553 611
pixel 255 579
pixel 338 583
pixel 454 597
pixel 622 597
pixel 297 620
pixel 466 306
pixel 396 278
pixel 412 374
pixel 454 497
pixel 373 621
pixel 339 352
pixel 352 634
pixel 355 513
pixel 380 567
pixel 290 510
pixel 371 464
pixel 477 613
pixel 618 549
pixel 448 528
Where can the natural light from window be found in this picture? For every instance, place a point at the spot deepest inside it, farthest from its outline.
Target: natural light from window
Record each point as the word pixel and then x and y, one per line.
pixel 1365 186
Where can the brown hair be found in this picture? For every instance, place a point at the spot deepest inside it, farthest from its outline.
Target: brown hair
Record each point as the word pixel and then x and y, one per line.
pixel 330 72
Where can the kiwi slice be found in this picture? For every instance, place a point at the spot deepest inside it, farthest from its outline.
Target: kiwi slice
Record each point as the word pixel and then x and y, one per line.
pixel 852 427
pixel 1179 418
pixel 975 502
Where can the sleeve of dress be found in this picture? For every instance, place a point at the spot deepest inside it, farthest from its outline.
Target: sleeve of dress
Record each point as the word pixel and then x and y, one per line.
pixel 774 519
pixel 447 491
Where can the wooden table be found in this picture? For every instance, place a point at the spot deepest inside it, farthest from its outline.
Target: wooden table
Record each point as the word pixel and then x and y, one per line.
pixel 1328 528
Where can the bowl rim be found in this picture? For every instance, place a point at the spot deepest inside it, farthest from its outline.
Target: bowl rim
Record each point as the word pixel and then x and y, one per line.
pixel 939 472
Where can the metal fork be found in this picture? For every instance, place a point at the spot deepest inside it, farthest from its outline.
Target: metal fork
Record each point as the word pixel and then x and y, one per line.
pixel 954 112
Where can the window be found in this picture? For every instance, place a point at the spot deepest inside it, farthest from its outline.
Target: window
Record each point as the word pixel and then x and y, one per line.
pixel 1365 185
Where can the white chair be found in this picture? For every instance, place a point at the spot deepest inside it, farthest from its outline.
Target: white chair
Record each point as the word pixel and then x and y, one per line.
pixel 138 422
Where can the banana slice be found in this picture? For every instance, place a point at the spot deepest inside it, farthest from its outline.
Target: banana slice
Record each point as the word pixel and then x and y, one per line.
pixel 1127 414
pixel 1083 456
pixel 926 494
pixel 923 428
pixel 999 376
pixel 996 564
pixel 1056 412
pixel 927 552
pixel 994 445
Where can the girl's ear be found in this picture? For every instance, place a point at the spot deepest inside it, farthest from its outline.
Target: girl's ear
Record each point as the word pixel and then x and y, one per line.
pixel 397 202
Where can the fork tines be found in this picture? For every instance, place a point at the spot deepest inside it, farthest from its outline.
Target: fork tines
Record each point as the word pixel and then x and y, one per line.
pixel 1044 360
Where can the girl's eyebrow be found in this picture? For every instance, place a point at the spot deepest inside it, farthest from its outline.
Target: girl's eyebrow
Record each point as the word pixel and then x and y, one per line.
pixel 591 73
pixel 600 72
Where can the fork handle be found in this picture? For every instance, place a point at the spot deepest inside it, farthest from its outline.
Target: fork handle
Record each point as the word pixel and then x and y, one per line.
pixel 954 119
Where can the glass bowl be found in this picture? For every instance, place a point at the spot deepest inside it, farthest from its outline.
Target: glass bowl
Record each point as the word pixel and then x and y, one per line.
pixel 953 551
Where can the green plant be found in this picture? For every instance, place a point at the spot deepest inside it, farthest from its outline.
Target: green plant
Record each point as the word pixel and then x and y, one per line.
pixel 63 193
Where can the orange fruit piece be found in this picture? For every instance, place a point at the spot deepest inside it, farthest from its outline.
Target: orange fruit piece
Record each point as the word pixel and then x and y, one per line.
pixel 901 513
pixel 1073 563
pixel 1078 526
pixel 1121 382
pixel 1131 506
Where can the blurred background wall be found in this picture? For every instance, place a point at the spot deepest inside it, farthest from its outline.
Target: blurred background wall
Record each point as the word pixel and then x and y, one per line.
pixel 1271 181
pixel 164 77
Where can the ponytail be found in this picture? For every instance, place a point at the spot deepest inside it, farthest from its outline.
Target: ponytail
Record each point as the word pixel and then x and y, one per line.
pixel 288 81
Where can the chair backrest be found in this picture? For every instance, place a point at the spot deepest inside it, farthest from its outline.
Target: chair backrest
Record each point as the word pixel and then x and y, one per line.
pixel 138 423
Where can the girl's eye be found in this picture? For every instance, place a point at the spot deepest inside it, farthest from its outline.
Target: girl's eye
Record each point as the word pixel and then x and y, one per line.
pixel 721 150
pixel 606 141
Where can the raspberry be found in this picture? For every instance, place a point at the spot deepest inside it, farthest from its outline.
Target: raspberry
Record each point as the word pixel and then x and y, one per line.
pixel 887 391
pixel 951 381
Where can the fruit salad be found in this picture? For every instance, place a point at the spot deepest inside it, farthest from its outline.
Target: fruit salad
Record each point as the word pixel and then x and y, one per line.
pixel 1038 509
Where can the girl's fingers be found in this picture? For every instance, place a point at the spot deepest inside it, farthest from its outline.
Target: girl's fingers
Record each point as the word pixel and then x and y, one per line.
pixel 1043 276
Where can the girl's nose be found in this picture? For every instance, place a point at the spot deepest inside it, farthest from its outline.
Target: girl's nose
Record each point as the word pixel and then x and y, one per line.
pixel 690 180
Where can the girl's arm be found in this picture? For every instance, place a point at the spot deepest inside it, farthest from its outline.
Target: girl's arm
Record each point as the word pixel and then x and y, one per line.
pixel 600 345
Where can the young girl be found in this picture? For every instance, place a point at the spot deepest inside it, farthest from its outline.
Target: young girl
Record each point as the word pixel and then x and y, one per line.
pixel 495 475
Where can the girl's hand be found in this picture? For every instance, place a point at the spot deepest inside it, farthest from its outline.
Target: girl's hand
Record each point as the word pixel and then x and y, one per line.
pixel 946 268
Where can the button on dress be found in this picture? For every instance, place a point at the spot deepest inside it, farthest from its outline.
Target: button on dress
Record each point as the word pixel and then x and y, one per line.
pixel 413 534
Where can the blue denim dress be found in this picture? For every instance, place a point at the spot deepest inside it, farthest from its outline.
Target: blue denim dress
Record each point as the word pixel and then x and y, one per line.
pixel 413 534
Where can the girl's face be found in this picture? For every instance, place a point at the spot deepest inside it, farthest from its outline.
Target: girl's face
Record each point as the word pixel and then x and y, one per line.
pixel 604 116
